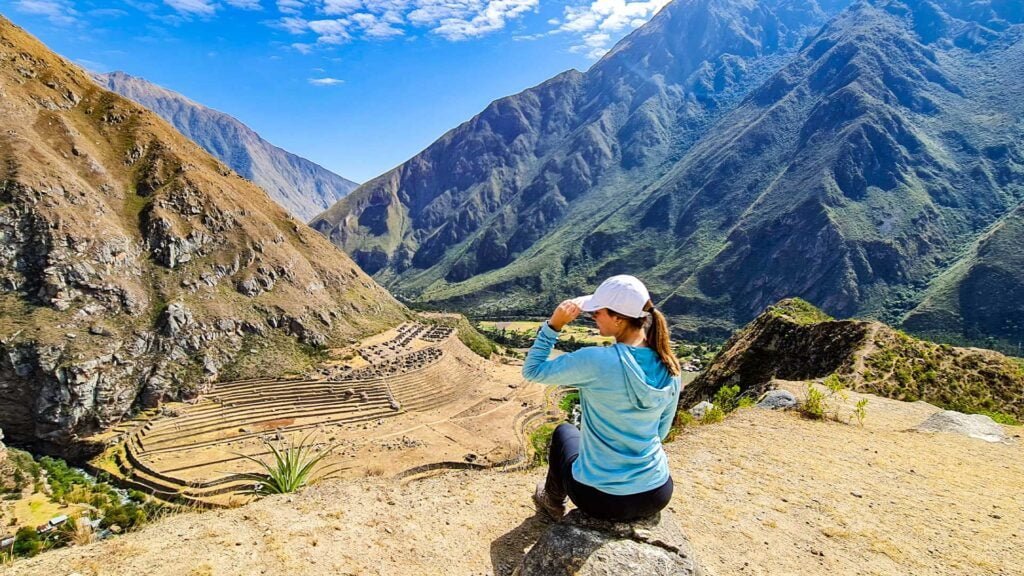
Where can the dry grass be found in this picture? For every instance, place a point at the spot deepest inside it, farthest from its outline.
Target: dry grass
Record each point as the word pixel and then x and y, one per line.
pixel 761 493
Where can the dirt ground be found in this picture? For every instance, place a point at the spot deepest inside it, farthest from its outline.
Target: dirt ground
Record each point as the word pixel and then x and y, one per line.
pixel 762 493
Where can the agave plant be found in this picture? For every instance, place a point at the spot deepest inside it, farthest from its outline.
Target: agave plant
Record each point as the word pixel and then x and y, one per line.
pixel 291 469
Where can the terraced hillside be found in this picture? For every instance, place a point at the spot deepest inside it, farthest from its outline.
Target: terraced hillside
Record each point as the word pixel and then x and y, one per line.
pixel 413 398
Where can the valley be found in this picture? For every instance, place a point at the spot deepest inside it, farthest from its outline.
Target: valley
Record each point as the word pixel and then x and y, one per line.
pixel 412 400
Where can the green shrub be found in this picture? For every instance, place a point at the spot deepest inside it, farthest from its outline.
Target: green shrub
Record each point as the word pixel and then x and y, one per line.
pixel 814 405
pixel 860 412
pixel 540 441
pixel 712 415
pixel 568 401
pixel 291 469
pixel 684 418
pixel 726 399
pixel 799 311
pixel 27 542
pixel 1001 417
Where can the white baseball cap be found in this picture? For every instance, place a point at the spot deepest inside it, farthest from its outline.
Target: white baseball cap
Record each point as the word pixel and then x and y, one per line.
pixel 624 294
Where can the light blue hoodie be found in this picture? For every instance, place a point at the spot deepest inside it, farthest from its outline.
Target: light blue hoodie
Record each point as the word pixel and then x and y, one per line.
pixel 628 400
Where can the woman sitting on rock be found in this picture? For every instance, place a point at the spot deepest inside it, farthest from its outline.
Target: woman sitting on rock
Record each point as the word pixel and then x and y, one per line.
pixel 613 467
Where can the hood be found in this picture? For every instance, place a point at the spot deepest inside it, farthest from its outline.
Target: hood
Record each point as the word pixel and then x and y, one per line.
pixel 646 391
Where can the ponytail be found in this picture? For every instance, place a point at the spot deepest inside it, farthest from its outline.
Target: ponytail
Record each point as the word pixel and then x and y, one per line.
pixel 658 340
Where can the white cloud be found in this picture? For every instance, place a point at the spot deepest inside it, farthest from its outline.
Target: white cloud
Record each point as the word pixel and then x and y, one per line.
pixel 245 4
pixel 325 81
pixel 302 48
pixel 491 18
pixel 293 24
pixel 58 12
pixel 382 30
pixel 107 13
pixel 197 7
pixel 595 23
pixel 92 65
pixel 350 19
pixel 290 6
pixel 341 7
pixel 331 31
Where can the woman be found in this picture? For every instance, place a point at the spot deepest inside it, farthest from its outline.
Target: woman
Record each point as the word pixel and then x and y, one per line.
pixel 613 467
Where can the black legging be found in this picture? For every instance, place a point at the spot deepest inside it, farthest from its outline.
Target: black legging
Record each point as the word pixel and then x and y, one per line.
pixel 565 448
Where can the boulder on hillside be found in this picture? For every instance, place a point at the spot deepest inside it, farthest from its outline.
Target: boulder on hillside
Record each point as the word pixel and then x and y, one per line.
pixel 971 425
pixel 702 407
pixel 777 400
pixel 585 546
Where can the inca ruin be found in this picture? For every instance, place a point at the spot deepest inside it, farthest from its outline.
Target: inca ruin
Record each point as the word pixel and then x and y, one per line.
pixel 407 401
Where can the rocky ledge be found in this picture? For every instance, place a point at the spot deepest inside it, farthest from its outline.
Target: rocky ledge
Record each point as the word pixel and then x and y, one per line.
pixel 585 546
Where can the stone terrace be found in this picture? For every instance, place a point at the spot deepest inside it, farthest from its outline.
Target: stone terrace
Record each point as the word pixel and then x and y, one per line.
pixel 422 381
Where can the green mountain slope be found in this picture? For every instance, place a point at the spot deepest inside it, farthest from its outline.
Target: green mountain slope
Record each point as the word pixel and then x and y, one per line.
pixel 852 172
pixel 482 197
pixel 304 188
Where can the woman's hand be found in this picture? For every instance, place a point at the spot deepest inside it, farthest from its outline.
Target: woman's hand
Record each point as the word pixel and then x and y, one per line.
pixel 566 312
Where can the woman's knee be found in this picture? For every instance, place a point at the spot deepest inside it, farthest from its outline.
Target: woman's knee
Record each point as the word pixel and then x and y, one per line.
pixel 566 430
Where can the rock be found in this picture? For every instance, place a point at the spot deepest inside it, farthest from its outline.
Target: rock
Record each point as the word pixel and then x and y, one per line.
pixel 174 319
pixel 777 400
pixel 971 425
pixel 100 330
pixel 699 410
pixel 585 546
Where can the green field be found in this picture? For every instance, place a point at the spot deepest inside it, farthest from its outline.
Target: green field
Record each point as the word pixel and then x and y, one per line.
pixel 580 333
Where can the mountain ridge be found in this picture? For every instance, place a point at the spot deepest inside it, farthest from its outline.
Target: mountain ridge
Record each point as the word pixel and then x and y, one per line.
pixel 303 187
pixel 834 177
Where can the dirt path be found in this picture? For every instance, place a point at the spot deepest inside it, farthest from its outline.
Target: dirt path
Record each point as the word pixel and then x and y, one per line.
pixel 761 493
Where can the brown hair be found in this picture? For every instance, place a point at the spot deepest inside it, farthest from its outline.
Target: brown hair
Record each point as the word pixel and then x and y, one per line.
pixel 657 336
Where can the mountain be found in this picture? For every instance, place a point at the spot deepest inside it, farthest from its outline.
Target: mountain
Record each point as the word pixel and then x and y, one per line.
pixel 732 153
pixel 793 340
pixel 480 202
pixel 304 188
pixel 135 267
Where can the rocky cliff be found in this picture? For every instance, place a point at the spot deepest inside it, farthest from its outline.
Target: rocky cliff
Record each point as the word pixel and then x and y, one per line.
pixel 793 340
pixel 733 153
pixel 134 266
pixel 304 188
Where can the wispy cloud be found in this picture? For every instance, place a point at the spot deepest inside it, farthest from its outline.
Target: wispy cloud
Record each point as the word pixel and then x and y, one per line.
pixel 290 6
pixel 596 23
pixel 59 12
pixel 325 81
pixel 92 65
pixel 192 7
pixel 348 20
pixel 490 18
pixel 107 13
pixel 245 4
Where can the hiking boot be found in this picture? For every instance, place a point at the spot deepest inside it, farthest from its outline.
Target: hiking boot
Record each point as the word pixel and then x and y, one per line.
pixel 545 503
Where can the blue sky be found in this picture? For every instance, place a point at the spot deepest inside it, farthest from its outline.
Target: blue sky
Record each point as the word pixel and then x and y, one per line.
pixel 358 86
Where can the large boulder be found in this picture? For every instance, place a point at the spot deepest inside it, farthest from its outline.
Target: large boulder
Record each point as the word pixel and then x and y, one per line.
pixel 777 400
pixel 584 546
pixel 971 425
